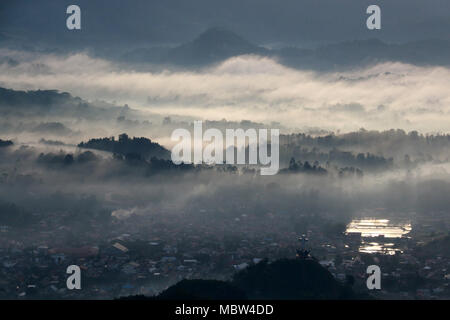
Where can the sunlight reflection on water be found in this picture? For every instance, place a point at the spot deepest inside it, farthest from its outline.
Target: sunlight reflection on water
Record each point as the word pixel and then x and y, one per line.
pixel 369 228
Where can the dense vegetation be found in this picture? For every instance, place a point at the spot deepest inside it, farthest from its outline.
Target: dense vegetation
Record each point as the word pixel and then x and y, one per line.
pixel 5 143
pixel 135 147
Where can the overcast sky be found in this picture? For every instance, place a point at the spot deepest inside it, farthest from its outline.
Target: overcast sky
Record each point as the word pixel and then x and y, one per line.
pixel 262 21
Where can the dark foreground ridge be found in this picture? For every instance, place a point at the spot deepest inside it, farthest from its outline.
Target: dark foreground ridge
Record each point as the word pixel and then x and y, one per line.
pixel 285 279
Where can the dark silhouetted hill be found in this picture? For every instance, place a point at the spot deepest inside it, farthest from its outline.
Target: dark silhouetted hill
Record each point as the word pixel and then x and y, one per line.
pixel 55 103
pixel 212 46
pixel 129 147
pixel 291 279
pixel 38 98
pixel 5 143
pixel 218 44
pixel 285 279
pixel 364 52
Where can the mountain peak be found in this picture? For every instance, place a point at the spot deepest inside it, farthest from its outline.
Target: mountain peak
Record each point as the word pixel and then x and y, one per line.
pixel 213 45
pixel 221 36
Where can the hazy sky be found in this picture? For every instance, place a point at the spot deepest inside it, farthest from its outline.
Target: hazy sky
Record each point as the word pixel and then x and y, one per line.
pixel 117 22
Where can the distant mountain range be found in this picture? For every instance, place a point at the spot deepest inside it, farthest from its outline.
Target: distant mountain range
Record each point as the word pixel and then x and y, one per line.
pixel 55 103
pixel 213 45
pixel 218 44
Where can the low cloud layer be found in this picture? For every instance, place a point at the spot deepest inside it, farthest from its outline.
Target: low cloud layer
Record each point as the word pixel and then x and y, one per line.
pixel 388 95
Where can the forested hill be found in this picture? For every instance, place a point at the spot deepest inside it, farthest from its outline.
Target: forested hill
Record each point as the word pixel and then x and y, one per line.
pixel 5 143
pixel 40 103
pixel 134 147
